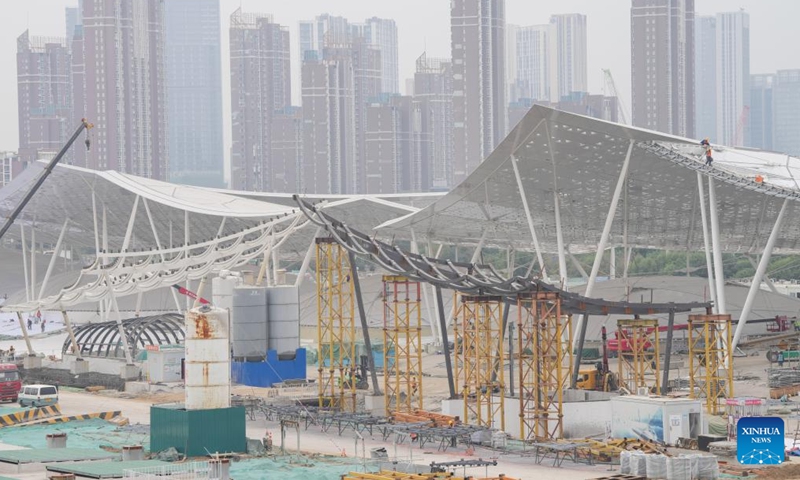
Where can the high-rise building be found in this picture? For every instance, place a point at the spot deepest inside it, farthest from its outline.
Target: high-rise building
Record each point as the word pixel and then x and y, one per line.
pixel 194 92
pixel 662 65
pixel 10 166
pixel 78 80
pixel 761 111
pixel 388 146
pixel 260 86
pixel 72 16
pixel 381 34
pixel 733 77
pixel 512 94
pixel 324 30
pixel 705 69
pixel 477 29
pixel 786 106
pixel 569 47
pixel 329 135
pixel 44 96
pixel 286 150
pixel 433 94
pixel 536 55
pixel 124 86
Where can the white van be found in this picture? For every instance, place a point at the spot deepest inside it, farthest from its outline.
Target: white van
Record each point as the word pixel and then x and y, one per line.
pixel 38 395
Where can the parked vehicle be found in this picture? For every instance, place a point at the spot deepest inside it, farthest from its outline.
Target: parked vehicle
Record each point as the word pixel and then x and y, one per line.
pixel 38 395
pixel 10 383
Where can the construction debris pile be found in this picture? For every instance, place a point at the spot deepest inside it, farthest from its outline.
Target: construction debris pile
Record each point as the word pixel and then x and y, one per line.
pixel 783 381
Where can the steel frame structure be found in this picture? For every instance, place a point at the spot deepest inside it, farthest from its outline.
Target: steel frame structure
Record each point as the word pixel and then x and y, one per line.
pixel 335 327
pixel 402 332
pixel 544 339
pixel 638 363
pixel 711 360
pixel 482 359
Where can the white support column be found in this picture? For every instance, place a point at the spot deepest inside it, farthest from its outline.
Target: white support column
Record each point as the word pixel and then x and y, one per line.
pixel 24 329
pixel 129 230
pixel 199 293
pixel 716 244
pixel 307 259
pixel 562 258
pixel 120 328
pixel 275 266
pixel 755 286
pixel 598 258
pixel 578 266
pixel 71 332
pixel 612 263
pixel 262 272
pixel 425 299
pixel 628 255
pixel 435 326
pixel 139 297
pixel 94 221
pixel 160 252
pixel 528 216
pixel 766 280
pixel 53 259
pixel 25 263
pixel 221 227
pixel 476 255
pixel 33 260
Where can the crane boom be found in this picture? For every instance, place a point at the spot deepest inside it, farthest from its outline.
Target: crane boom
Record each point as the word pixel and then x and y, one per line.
pixel 47 171
pixel 612 88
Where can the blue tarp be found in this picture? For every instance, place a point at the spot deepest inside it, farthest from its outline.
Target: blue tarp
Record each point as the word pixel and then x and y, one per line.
pixel 271 371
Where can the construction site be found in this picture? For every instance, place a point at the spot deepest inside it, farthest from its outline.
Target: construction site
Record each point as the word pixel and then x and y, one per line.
pixel 200 333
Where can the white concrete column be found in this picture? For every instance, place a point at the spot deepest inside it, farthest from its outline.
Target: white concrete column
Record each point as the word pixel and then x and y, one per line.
pixel 53 259
pixel 755 286
pixel 712 289
pixel 24 329
pixel 307 259
pixel 528 215
pixel 25 263
pixel 717 246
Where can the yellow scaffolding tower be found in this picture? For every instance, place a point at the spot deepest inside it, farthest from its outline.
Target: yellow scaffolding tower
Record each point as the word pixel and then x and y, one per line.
pixel 711 360
pixel 480 342
pixel 544 339
pixel 638 362
pixel 335 327
pixel 402 344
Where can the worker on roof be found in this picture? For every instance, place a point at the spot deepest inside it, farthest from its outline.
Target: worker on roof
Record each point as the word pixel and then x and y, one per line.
pixel 709 158
pixel 705 142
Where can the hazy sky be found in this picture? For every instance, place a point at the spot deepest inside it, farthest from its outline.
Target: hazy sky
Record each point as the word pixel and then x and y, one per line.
pixel 425 25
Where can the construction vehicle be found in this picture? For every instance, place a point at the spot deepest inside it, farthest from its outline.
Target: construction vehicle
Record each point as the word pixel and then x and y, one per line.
pixel 599 378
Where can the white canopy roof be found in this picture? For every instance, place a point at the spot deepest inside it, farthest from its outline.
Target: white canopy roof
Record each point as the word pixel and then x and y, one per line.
pixel 579 159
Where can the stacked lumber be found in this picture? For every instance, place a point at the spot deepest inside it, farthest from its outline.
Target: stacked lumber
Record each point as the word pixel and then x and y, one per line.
pixel 419 416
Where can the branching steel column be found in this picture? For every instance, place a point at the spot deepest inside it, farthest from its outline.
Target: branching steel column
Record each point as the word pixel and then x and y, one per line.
pixel 71 332
pixel 53 259
pixel 528 216
pixel 637 345
pixel 612 210
pixel 763 263
pixel 307 259
pixel 154 230
pixel 25 263
pixel 710 360
pixel 362 314
pixel 24 329
pixel 712 288
pixel 562 260
pixel 719 272
pixel 543 347
pixel 402 344
pixel 335 327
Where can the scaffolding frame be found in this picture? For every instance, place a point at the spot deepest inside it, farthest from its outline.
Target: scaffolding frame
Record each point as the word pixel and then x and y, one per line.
pixel 481 353
pixel 639 362
pixel 544 337
pixel 458 356
pixel 402 331
pixel 711 360
pixel 335 327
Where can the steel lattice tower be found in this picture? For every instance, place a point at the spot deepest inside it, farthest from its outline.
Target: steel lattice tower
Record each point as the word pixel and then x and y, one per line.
pixel 544 347
pixel 402 344
pixel 638 363
pixel 711 360
pixel 335 327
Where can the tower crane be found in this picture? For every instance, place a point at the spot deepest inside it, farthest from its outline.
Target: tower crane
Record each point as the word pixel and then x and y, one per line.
pixel 611 88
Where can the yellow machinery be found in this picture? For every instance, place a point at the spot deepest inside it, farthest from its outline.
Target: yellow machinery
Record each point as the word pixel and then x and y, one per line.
pixel 637 347
pixel 335 327
pixel 594 378
pixel 479 361
pixel 711 360
pixel 402 344
pixel 544 349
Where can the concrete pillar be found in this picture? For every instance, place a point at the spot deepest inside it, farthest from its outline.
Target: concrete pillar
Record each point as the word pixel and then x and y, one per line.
pixel 56 440
pixel 132 453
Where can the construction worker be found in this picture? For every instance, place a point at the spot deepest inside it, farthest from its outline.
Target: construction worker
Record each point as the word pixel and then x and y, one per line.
pixel 705 142
pixel 797 324
pixel 709 158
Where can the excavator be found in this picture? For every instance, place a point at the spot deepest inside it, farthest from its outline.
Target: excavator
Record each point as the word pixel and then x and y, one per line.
pixel 599 377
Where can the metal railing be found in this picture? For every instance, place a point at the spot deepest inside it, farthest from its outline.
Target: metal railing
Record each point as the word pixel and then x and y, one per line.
pixel 177 471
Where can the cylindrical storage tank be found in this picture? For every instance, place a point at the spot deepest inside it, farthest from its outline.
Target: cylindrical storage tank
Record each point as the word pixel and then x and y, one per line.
pixel 208 359
pixel 249 323
pixel 132 453
pixel 284 318
pixel 56 440
pixel 222 289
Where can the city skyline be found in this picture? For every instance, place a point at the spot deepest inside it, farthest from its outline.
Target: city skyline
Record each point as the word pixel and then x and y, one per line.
pixel 434 48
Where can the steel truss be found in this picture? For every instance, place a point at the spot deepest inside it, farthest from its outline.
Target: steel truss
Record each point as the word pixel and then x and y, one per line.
pixel 711 360
pixel 544 339
pixel 402 344
pixel 481 347
pixel 638 362
pixel 336 327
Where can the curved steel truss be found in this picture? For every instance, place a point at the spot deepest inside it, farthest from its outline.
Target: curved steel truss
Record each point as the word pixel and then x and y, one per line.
pixel 470 278
pixel 102 339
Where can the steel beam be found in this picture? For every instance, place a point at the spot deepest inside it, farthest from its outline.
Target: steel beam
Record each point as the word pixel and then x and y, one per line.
pixel 528 216
pixel 364 325
pixel 55 256
pixel 445 343
pixel 71 332
pixel 668 353
pixel 763 263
